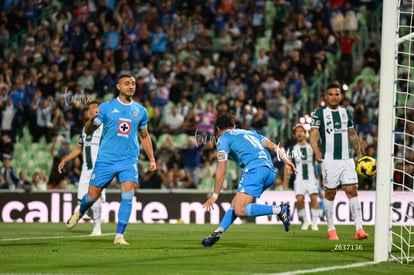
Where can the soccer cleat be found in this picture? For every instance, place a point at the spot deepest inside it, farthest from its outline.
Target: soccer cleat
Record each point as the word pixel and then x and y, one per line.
pixel 305 225
pixel 315 227
pixel 96 232
pixel 73 221
pixel 361 234
pixel 284 216
pixel 211 240
pixel 121 241
pixel 332 235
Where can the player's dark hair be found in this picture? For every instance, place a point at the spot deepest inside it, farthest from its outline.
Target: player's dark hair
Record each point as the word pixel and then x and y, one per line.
pixel 332 86
pixel 93 102
pixel 225 121
pixel 122 76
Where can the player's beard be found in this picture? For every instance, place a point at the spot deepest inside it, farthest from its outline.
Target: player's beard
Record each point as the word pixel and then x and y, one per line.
pixel 128 98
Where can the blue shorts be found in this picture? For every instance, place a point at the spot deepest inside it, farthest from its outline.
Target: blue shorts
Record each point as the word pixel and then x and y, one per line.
pixel 255 181
pixel 103 172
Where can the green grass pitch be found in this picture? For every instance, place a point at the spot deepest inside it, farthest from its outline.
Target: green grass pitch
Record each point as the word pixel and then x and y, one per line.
pixel 39 248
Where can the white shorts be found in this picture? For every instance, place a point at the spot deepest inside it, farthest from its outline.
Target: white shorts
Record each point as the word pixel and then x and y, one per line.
pixel 338 173
pixel 83 185
pixel 303 187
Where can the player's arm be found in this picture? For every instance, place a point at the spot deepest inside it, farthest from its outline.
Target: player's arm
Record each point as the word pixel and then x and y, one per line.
pixel 73 154
pixel 354 140
pixel 147 146
pixel 219 179
pixel 91 125
pixel 313 141
pixel 281 154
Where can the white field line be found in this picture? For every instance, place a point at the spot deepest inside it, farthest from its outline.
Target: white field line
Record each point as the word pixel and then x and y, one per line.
pixel 321 269
pixel 54 237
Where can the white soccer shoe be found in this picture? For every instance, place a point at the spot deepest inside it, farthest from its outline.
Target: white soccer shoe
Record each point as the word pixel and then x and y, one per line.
pixel 121 241
pixel 73 221
pixel 96 232
pixel 315 227
pixel 305 226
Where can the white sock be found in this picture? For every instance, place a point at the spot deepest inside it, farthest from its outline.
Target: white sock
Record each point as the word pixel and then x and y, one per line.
pixel 355 208
pixel 119 236
pixel 315 215
pixel 276 209
pixel 329 214
pixel 302 215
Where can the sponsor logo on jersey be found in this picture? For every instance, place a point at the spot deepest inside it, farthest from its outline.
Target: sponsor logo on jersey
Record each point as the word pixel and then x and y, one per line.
pixel 124 127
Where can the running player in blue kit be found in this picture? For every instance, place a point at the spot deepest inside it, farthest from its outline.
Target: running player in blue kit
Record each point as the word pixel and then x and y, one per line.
pixel 122 120
pixel 249 151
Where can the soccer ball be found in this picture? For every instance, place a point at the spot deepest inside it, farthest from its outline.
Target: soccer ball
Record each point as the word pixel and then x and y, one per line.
pixel 366 167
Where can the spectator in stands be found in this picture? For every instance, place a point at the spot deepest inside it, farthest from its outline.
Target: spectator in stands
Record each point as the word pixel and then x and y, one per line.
pixel 39 181
pixel 7 171
pixel 294 85
pixel 8 112
pixel 6 144
pixel 59 180
pixel 346 40
pixel 277 105
pixel 23 182
pixel 190 123
pixel 153 179
pixel 174 121
pixel 366 128
pixel 158 41
pixel 359 92
pixel 191 156
pixel 217 83
pixel 206 120
pixel 43 121
pixel 162 93
pixel 156 123
pixel 259 121
pixel 269 86
pixel 372 97
pixel 372 57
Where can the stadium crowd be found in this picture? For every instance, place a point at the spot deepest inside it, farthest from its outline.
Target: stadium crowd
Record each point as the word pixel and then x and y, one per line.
pixel 192 59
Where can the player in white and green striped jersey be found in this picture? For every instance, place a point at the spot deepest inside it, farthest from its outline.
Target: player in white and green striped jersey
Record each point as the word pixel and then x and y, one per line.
pixel 333 125
pixel 88 146
pixel 306 181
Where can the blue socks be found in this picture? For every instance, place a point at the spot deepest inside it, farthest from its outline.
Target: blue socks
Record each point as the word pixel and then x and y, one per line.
pixel 255 209
pixel 228 219
pixel 250 210
pixel 124 211
pixel 86 203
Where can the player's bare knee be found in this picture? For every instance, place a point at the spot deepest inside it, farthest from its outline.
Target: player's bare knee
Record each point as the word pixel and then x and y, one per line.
pixel 330 195
pixel 351 192
pixel 239 210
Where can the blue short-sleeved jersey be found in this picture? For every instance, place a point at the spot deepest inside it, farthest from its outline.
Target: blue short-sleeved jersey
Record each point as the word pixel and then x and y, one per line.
pixel 120 133
pixel 245 148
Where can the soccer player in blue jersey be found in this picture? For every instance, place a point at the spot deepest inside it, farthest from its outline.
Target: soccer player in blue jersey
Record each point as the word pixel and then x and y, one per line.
pixel 249 151
pixel 123 120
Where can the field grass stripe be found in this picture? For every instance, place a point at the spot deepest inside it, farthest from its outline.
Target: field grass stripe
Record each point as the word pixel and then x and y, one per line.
pixel 321 269
pixel 54 237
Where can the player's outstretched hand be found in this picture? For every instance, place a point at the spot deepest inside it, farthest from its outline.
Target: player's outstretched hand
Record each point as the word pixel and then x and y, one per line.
pixel 290 167
pixel 152 166
pixel 209 204
pixel 60 166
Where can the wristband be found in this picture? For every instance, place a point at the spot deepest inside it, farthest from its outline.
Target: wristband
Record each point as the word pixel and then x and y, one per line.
pixel 215 195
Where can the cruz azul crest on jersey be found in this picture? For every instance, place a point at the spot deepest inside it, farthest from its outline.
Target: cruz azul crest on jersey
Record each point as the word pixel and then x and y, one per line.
pixel 124 127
